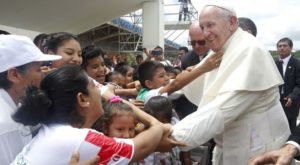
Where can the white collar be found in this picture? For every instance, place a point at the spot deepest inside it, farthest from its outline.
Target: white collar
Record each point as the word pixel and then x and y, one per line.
pixel 6 97
pixel 286 59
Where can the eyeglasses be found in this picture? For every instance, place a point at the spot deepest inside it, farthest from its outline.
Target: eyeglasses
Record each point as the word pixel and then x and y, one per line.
pixel 193 42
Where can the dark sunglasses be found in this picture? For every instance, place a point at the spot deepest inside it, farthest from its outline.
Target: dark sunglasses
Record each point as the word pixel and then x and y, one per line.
pixel 200 42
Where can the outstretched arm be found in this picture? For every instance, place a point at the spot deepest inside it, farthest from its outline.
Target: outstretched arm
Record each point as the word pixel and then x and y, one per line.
pixel 188 76
pixel 209 121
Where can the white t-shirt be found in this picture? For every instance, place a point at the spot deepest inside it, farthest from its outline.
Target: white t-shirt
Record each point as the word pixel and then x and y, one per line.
pixel 13 136
pixel 54 144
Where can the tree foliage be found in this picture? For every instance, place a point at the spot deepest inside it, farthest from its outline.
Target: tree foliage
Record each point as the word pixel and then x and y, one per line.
pixel 295 54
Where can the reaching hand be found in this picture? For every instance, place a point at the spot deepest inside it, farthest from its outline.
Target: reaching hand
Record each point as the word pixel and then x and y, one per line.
pixel 288 101
pixel 137 103
pixel 148 53
pixel 283 156
pixel 167 142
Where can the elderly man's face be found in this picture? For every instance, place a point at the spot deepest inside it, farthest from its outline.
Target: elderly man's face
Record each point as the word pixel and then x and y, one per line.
pixel 216 27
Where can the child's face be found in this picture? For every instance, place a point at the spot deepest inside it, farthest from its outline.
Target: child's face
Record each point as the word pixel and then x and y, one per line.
pixel 129 76
pixel 119 80
pixel 96 69
pixel 171 75
pixel 159 79
pixel 122 127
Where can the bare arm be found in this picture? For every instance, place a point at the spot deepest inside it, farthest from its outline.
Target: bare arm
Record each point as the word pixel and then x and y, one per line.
pixel 145 118
pixel 126 92
pixel 151 140
pixel 135 84
pixel 146 142
pixel 186 77
pixel 148 54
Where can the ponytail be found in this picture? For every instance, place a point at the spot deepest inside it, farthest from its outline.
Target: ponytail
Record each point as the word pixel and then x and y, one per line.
pixel 35 108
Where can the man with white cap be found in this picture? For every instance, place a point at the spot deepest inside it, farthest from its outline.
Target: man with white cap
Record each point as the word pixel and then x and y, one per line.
pixel 20 66
pixel 238 103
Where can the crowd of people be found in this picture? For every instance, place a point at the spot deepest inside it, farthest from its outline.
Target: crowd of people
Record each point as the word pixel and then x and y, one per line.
pixel 64 104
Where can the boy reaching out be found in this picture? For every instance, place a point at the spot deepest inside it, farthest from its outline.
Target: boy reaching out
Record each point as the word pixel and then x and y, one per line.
pixel 154 80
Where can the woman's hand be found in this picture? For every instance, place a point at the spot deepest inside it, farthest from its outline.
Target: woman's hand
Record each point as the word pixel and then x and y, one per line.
pixel 137 103
pixel 46 69
pixel 167 142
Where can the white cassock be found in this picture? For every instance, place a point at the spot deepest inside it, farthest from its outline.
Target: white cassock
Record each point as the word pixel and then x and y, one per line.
pixel 238 104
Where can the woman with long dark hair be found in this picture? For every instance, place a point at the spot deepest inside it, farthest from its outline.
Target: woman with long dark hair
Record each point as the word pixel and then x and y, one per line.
pixel 66 105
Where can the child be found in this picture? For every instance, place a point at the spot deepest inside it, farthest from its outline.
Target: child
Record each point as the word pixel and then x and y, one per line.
pixel 118 120
pixel 154 80
pixel 151 75
pixel 127 71
pixel 171 72
pixel 93 63
pixel 116 79
pixel 161 108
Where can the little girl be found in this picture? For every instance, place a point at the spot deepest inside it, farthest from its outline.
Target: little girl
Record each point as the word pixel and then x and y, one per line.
pixel 118 119
pixel 162 109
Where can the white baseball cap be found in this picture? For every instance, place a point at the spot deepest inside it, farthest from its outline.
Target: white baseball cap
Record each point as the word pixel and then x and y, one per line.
pixel 18 50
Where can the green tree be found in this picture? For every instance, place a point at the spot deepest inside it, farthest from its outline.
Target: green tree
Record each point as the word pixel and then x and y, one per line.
pixel 295 54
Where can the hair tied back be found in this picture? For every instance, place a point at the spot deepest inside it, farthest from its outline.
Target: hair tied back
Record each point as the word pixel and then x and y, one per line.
pixel 115 99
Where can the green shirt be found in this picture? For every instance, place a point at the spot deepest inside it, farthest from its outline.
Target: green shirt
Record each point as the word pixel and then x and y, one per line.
pixel 142 93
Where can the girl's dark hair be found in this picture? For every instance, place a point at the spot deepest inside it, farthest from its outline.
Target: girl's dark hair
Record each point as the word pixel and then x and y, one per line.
pixel 159 106
pixel 122 68
pixel 90 52
pixel 40 40
pixel 55 40
pixel 56 100
pixel 112 110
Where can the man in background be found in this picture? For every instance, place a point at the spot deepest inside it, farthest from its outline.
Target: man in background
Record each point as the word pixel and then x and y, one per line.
pixel 182 52
pixel 199 47
pixel 289 68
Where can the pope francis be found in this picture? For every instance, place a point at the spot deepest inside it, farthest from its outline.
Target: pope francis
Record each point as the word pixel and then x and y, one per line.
pixel 238 103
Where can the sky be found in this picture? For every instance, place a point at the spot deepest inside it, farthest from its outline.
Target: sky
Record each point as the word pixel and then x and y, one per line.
pixel 274 19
